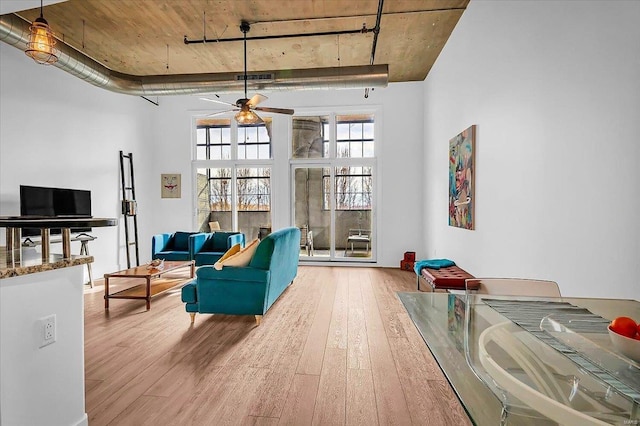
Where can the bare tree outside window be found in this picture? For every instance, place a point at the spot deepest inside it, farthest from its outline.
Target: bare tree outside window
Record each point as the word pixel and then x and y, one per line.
pixel 254 189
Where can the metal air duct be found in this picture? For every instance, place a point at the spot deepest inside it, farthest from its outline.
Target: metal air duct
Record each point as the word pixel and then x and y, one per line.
pixel 14 30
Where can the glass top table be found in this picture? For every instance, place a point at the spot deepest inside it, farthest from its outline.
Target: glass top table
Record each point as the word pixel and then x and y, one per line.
pixel 530 361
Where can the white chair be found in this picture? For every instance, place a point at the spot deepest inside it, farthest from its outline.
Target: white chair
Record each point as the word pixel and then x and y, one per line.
pixel 513 287
pixel 306 239
pixel 362 236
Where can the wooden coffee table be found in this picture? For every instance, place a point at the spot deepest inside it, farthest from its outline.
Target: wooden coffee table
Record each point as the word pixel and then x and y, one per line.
pixel 155 283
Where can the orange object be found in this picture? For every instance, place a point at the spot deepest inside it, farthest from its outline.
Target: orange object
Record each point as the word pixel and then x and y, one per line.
pixel 406 266
pixel 624 326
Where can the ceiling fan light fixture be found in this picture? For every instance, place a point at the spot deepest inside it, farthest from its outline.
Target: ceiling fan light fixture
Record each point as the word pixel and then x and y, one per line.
pixel 41 45
pixel 246 116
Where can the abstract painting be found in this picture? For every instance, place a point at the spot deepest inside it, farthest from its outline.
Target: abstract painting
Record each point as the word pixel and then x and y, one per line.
pixel 461 179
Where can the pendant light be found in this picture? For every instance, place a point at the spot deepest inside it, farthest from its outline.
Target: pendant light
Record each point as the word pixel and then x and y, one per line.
pixel 41 42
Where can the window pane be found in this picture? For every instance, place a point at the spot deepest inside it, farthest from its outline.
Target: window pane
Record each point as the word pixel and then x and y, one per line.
pixel 342 149
pixel 355 131
pixel 367 149
pixel 355 149
pixel 360 133
pixel 214 135
pixel 209 136
pixel 201 137
pixel 252 152
pixel 226 152
pixel 226 135
pixel 201 153
pixel 215 152
pixel 308 134
pixel 254 189
pixel 342 132
pixel 252 134
pixel 263 135
pixel 220 192
pixel 263 152
pixel 253 140
pixel 353 188
pixel 367 130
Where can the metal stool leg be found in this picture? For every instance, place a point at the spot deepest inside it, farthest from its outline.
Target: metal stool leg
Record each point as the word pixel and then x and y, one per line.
pixel 84 249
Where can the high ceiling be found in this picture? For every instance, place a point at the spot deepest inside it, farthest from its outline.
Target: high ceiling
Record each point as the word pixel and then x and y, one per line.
pixel 146 37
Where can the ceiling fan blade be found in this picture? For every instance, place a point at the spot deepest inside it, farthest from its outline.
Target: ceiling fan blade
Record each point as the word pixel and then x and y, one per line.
pixel 256 99
pixel 276 110
pixel 219 113
pixel 217 101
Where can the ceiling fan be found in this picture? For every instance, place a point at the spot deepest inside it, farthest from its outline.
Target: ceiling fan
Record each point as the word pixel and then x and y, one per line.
pixel 246 114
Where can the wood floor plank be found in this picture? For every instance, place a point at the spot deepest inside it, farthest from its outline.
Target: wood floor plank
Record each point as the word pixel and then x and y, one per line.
pixel 300 401
pixel 390 402
pixel 330 407
pixel 357 342
pixel 337 336
pixel 336 348
pixel 361 399
pixel 311 359
pixel 118 401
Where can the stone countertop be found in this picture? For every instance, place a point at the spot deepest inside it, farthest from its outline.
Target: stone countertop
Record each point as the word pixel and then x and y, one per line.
pixel 30 262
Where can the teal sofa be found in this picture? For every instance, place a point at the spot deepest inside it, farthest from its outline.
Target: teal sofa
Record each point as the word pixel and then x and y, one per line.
pixel 208 247
pixel 173 246
pixel 249 290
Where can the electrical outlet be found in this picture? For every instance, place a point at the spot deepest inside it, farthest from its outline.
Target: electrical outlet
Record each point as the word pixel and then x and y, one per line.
pixel 47 330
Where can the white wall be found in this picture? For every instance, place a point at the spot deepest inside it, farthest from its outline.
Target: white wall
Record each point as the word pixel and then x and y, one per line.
pixel 400 154
pixel 554 88
pixel 42 385
pixel 59 131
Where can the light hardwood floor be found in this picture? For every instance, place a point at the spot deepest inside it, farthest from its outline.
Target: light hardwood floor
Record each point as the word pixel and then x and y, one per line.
pixel 336 348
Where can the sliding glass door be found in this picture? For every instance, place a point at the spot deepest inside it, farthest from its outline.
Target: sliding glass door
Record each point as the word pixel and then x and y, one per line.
pixel 333 187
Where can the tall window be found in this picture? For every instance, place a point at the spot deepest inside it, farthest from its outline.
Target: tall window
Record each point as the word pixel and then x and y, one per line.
pixel 233 174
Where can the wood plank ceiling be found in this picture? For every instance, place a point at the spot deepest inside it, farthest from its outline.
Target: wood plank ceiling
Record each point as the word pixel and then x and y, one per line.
pixel 146 37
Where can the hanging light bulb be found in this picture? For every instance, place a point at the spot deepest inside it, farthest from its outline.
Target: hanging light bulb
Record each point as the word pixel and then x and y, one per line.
pixel 41 42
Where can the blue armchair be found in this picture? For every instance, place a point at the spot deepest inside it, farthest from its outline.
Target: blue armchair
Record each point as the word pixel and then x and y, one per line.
pixel 207 248
pixel 248 290
pixel 173 246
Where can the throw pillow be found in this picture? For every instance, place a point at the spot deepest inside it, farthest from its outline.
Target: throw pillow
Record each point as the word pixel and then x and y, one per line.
pixel 233 250
pixel 242 258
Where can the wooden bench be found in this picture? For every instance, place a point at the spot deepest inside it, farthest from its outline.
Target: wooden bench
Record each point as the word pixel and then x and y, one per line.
pixel 449 278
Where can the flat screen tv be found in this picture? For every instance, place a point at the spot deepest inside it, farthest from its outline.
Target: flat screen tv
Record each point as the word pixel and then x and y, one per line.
pixel 54 202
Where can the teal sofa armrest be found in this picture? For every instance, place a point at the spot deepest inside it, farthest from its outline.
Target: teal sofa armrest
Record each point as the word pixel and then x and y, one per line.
pixel 159 243
pixel 196 242
pixel 236 239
